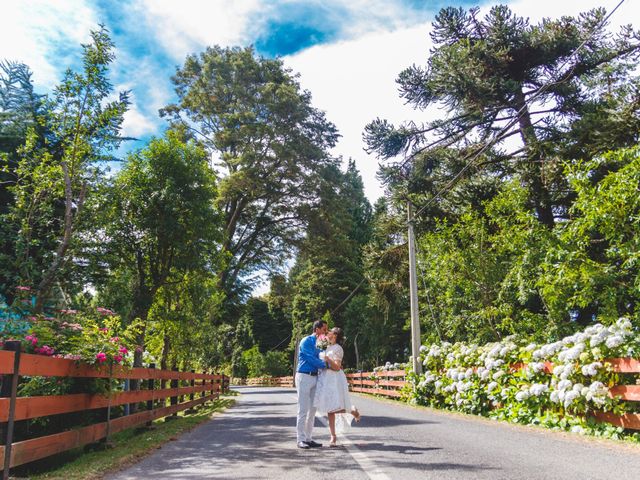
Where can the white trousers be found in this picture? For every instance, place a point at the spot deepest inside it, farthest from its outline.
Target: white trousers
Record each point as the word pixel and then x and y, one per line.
pixel 306 387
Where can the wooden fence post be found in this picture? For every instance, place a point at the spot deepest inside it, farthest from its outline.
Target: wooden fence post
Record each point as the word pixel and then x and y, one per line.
pixel 175 384
pixel 192 395
pixel 10 389
pixel 151 384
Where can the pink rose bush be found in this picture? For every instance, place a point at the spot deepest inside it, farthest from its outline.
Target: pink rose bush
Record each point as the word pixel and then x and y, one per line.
pixel 96 337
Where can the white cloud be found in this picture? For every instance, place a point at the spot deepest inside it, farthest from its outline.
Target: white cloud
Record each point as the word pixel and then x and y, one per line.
pixel 136 124
pixel 354 82
pixel 187 26
pixel 33 30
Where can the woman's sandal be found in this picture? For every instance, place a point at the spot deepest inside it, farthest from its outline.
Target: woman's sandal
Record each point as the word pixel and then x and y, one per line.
pixel 356 414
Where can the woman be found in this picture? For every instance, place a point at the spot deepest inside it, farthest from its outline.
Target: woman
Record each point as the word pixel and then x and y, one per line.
pixel 332 391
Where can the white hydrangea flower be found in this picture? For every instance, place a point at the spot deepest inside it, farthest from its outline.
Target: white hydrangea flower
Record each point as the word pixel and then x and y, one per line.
pixel 538 389
pixel 569 397
pixel 492 386
pixel 522 395
pixel 536 367
pixel 614 341
pixel 577 387
pixel 564 384
pixel 555 396
pixel 498 374
pixel 591 369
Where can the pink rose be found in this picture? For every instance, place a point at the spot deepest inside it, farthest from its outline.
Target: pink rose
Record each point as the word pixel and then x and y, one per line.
pixel 101 357
pixel 117 358
pixel 123 350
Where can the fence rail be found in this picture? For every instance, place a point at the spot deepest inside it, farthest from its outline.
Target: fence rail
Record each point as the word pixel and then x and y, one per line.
pixel 383 382
pixel 270 382
pixel 14 364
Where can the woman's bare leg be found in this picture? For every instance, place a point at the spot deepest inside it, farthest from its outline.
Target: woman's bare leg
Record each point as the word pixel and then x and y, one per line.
pixel 332 426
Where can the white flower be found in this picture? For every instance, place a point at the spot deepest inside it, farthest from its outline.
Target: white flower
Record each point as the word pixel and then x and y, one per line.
pixel 571 354
pixel 591 369
pixel 555 396
pixel 423 348
pixel 569 397
pixel 498 374
pixel 538 389
pixel 614 341
pixel 536 367
pixel 492 386
pixel 578 429
pixel 522 395
pixel 564 384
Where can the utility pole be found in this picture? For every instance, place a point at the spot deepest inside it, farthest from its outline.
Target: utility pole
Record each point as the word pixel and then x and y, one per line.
pixel 413 291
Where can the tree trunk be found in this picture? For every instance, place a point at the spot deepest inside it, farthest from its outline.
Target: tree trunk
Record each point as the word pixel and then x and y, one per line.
pixel 50 275
pixel 533 175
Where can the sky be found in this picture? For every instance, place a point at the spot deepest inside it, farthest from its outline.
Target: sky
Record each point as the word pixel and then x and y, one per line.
pixel 348 52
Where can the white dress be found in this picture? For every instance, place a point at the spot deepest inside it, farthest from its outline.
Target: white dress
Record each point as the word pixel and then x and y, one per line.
pixel 332 391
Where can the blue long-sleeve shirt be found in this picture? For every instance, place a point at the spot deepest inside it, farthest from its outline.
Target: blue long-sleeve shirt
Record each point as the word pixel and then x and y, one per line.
pixel 309 356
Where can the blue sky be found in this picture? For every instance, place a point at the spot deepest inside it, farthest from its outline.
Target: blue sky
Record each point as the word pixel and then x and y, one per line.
pixel 348 52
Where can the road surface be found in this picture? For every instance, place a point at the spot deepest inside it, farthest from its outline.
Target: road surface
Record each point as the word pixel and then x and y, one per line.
pixel 255 439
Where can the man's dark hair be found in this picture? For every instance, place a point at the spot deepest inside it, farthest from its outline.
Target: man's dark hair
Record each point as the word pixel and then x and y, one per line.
pixel 318 324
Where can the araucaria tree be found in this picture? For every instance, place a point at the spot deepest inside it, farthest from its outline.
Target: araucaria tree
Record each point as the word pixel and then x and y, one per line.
pixel 270 145
pixel 559 90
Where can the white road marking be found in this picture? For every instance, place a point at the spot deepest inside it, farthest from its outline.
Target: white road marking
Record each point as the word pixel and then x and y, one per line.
pixel 367 465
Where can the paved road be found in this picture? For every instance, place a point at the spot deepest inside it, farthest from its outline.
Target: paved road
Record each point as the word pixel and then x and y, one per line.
pixel 255 439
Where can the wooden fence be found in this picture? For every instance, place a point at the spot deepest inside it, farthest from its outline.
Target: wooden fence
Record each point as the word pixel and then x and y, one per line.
pixel 270 382
pixel 385 382
pixel 388 383
pixel 14 364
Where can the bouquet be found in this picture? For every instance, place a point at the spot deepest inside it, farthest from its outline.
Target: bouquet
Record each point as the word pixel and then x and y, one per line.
pixel 323 342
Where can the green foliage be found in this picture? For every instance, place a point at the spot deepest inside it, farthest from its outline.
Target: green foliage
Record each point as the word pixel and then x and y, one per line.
pixel 593 269
pixel 251 113
pixel 57 168
pixel 162 232
pixel 482 379
pixel 270 364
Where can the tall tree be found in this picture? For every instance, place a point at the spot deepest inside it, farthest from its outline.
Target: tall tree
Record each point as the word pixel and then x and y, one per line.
pixel 270 144
pixel 20 108
pixel 329 265
pixel 55 175
pixel 564 87
pixel 160 220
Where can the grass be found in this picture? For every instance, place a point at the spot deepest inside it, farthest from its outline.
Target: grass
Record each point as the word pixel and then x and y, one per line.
pixel 127 448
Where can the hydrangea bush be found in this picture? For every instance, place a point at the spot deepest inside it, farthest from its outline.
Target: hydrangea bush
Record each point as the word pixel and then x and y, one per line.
pixel 557 384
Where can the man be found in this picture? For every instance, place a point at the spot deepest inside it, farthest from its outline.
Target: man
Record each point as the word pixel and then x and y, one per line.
pixel 306 378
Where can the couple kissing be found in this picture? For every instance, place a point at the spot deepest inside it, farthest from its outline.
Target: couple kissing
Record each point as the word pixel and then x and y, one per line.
pixel 322 386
